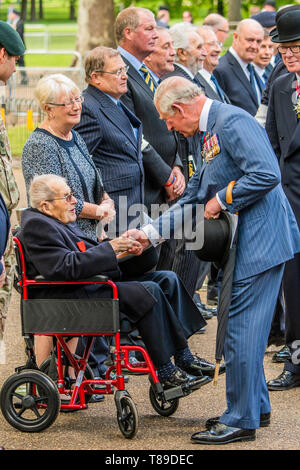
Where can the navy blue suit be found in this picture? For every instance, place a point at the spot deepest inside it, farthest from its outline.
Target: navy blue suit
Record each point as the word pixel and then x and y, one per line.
pixel 4 228
pixel 108 132
pixel 157 304
pixel 234 82
pixel 268 236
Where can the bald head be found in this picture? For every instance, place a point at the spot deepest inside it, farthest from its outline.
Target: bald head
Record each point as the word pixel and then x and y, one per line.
pixel 247 39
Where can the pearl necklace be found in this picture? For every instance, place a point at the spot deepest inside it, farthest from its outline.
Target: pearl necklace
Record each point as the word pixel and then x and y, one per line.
pixel 59 136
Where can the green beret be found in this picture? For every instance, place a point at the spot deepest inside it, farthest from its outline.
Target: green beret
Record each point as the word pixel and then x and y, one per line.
pixel 11 40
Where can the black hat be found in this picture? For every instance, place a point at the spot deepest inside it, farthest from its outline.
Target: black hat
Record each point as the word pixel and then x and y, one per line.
pixel 266 18
pixel 132 266
pixel 218 234
pixel 287 26
pixel 11 40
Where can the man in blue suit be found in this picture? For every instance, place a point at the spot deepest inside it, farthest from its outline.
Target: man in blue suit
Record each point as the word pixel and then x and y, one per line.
pixel 235 72
pixel 112 132
pixel 236 150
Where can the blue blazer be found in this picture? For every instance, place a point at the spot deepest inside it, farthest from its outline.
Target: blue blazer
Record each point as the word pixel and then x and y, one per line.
pixel 268 231
pixel 235 84
pixel 108 133
pixel 4 228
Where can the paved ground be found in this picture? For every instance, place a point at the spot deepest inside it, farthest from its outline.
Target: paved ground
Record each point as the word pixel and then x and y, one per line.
pixel 96 428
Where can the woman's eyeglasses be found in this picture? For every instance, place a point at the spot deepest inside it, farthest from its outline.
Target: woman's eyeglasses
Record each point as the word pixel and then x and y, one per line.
pixel 69 103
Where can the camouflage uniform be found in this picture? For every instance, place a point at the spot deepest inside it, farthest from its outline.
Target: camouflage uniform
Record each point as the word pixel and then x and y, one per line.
pixel 11 196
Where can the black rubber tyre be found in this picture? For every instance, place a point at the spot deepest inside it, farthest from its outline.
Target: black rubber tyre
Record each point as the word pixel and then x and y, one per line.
pixel 163 408
pixel 30 401
pixel 88 375
pixel 128 419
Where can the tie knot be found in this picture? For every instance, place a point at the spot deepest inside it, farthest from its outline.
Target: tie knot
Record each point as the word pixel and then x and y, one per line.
pixel 144 69
pixel 250 68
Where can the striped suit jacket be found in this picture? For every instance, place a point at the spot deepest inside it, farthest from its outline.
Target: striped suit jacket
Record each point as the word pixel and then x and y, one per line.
pixel 268 231
pixel 108 133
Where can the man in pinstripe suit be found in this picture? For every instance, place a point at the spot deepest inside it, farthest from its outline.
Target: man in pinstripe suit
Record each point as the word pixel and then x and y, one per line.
pixel 236 150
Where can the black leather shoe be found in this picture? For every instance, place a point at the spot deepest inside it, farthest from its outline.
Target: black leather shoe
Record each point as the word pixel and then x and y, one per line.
pixel 284 354
pixel 207 368
pixel 265 420
pixel 180 377
pixel 223 434
pixel 285 381
pixel 200 332
pixel 212 310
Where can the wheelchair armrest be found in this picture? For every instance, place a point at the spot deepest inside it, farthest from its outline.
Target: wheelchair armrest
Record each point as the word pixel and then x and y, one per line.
pixel 97 278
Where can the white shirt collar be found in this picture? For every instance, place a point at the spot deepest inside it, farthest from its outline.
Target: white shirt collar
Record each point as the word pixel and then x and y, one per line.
pixel 259 70
pixel 204 115
pixel 242 63
pixel 205 74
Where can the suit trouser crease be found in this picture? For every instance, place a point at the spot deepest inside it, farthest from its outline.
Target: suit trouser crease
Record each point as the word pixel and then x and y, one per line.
pixel 250 318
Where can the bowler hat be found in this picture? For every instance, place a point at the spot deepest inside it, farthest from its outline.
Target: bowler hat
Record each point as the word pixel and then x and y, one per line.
pixel 218 235
pixel 132 266
pixel 11 40
pixel 287 27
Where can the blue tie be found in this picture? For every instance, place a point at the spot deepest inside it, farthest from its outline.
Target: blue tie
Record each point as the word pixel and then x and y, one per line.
pixel 252 79
pixel 218 88
pixel 134 129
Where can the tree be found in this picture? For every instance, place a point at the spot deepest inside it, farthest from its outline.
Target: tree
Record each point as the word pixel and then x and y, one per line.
pixel 95 25
pixel 234 10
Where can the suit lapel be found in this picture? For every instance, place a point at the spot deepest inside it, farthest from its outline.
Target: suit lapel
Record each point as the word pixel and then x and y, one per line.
pixel 208 90
pixel 240 74
pixel 115 115
pixel 134 75
pixel 289 115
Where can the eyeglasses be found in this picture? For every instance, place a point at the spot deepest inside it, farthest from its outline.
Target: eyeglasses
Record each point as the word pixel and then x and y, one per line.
pixel 67 198
pixel 294 49
pixel 118 73
pixel 226 31
pixel 69 103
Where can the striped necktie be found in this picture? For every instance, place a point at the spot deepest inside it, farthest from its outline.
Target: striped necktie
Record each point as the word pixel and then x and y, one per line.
pixel 148 78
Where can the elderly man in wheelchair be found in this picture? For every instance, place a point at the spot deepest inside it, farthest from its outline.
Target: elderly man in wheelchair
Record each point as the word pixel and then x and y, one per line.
pixel 156 303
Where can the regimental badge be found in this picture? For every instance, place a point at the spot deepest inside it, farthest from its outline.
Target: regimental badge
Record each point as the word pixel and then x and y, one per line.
pixel 211 148
pixel 297 107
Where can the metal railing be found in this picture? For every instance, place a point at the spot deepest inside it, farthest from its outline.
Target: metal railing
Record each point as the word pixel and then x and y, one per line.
pixel 18 107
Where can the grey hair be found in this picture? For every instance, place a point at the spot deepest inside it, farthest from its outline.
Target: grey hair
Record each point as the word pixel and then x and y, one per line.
pixel 175 90
pixel 40 189
pixel 96 59
pixel 179 34
pixel 50 86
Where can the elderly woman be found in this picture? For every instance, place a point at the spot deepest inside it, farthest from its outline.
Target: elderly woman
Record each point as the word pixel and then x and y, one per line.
pixel 56 148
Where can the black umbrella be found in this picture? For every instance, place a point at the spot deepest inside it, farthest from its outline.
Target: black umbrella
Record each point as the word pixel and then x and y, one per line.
pixel 225 294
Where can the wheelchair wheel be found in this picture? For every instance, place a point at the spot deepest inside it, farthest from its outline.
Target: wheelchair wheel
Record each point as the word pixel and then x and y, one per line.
pixel 88 375
pixel 128 417
pixel 161 406
pixel 30 401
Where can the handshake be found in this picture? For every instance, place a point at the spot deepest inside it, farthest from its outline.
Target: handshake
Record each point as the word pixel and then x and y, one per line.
pixel 132 242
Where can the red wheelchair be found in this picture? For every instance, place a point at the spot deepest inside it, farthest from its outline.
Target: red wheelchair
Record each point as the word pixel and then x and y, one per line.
pixel 30 399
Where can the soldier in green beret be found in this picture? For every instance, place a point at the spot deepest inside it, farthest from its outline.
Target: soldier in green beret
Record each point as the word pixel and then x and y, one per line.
pixel 11 47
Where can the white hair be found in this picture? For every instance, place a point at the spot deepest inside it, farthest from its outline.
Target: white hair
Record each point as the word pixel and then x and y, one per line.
pixel 49 88
pixel 41 188
pixel 175 90
pixel 179 34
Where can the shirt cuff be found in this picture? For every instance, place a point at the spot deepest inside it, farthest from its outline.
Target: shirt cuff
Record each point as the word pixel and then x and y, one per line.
pixel 220 202
pixel 153 235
